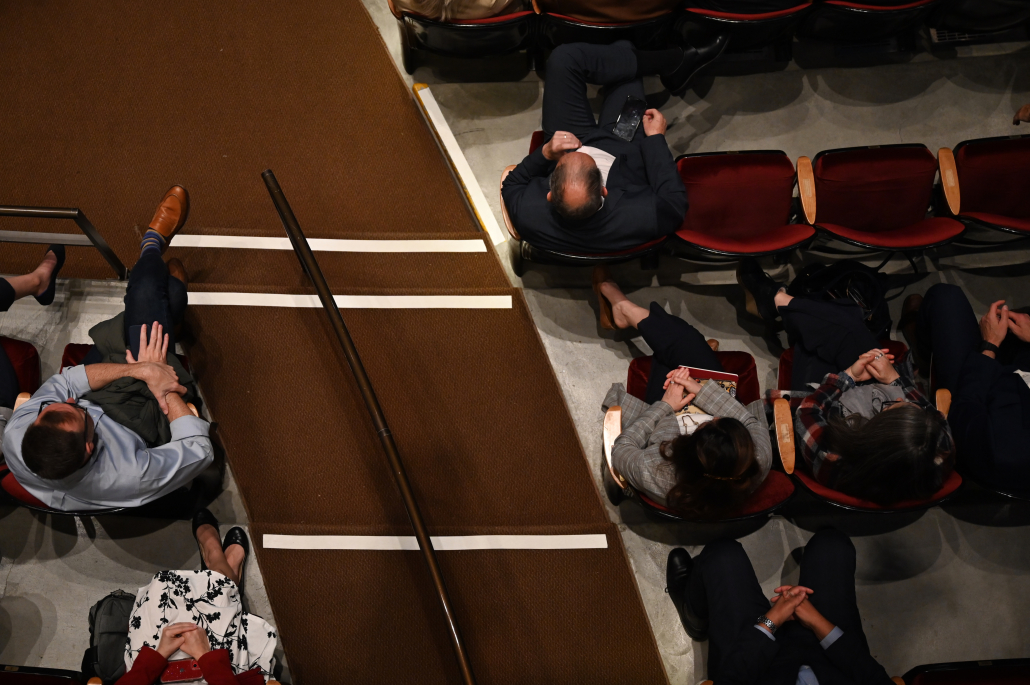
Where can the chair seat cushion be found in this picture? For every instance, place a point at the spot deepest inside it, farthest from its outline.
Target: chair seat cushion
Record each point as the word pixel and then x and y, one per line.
pixel 918 235
pixel 952 484
pixel 25 360
pixel 776 489
pixel 13 488
pixel 771 241
pixel 997 220
pixel 740 363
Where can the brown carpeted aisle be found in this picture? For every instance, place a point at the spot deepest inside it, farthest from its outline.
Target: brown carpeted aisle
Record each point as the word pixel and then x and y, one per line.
pixel 106 104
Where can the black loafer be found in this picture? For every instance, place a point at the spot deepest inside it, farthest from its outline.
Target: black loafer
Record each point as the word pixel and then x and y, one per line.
pixel 47 298
pixel 695 60
pixel 203 517
pixel 238 536
pixel 759 289
pixel 677 579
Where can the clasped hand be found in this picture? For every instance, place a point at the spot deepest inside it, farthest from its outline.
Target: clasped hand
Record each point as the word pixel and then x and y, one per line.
pixel 189 637
pixel 152 365
pixel 791 603
pixel 680 388
pixel 560 143
pixel 875 364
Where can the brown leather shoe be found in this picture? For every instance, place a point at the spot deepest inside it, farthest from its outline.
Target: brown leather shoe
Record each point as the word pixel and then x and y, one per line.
pixel 177 270
pixel 171 213
pixel 606 316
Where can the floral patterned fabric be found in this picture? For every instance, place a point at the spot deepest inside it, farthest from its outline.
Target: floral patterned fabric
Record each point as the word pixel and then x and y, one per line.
pixel 213 602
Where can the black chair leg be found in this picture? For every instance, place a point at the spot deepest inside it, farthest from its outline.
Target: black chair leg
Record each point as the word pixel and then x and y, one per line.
pixel 515 251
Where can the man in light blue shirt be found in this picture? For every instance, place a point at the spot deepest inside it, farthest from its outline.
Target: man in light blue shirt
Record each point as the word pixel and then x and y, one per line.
pixel 88 439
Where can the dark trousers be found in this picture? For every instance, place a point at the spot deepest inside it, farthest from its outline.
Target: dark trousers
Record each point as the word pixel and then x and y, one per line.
pixel 8 381
pixel 723 587
pixel 948 332
pixel 570 68
pixel 152 295
pixel 828 338
pixel 675 343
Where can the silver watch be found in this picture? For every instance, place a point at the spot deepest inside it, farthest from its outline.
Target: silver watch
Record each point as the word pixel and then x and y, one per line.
pixel 764 621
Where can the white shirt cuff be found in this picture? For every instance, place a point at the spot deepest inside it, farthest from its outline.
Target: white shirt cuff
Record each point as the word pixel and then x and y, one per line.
pixel 189 427
pixel 831 637
pixel 77 380
pixel 766 631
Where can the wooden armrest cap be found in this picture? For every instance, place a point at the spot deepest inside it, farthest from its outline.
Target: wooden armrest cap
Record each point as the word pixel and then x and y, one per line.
pixel 944 401
pixel 504 209
pixel 784 430
pixel 21 399
pixel 898 680
pixel 806 188
pixel 949 179
pixel 94 681
pixel 189 405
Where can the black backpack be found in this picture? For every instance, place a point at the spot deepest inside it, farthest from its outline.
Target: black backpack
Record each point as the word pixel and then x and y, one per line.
pixel 108 631
pixel 848 280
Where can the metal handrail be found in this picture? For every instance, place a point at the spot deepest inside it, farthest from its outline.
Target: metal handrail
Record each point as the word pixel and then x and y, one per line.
pixel 314 272
pixel 92 236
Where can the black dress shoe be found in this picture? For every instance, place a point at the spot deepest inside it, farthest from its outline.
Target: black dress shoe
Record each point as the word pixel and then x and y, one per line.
pixel 759 289
pixel 695 60
pixel 238 536
pixel 203 517
pixel 677 580
pixel 47 297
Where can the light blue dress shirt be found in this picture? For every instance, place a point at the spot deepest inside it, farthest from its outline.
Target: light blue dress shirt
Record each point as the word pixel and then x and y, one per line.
pixel 122 471
pixel 806 676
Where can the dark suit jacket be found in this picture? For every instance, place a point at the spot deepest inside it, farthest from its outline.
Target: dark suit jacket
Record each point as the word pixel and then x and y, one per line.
pixel 646 199
pixel 990 419
pixel 757 660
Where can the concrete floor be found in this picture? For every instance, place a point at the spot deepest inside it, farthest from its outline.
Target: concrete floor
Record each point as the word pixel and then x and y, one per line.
pixel 948 584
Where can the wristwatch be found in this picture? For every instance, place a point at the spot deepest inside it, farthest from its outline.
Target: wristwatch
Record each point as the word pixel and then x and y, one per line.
pixel 765 622
pixel 988 347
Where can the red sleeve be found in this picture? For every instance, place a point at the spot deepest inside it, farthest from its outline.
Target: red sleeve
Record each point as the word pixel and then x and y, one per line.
pixel 217 668
pixel 251 677
pixel 146 669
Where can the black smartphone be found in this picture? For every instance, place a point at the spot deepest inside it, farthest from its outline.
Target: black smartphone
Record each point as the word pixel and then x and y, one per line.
pixel 632 112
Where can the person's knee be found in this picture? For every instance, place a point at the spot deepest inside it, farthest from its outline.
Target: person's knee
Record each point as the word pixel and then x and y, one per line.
pixel 565 57
pixel 722 554
pixel 944 294
pixel 830 543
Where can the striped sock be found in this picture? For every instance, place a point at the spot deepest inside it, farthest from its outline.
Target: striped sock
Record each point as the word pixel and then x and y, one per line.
pixel 152 240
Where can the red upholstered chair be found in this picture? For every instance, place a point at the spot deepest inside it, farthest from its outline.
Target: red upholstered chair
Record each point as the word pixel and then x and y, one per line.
pixel 25 359
pixel 775 491
pixel 786 367
pixel 747 31
pixel 985 672
pixel 600 25
pixel 522 251
pixel 994 180
pixel 875 197
pixel 468 38
pixel 719 223
pixel 849 22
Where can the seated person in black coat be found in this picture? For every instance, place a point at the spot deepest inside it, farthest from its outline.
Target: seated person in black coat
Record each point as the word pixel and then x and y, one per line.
pixel 587 191
pixel 810 629
pixel 980 365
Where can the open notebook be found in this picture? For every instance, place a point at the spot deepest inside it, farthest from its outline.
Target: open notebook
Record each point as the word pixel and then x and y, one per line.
pixel 727 381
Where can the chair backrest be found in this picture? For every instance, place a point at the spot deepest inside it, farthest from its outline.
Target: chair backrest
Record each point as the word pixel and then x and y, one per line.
pixel 874 189
pixel 13 488
pixel 737 195
pixel 951 485
pixel 740 363
pixel 608 11
pixel 994 175
pixel 25 360
pixel 773 493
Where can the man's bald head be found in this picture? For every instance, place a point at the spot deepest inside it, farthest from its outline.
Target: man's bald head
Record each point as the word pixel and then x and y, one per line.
pixel 576 190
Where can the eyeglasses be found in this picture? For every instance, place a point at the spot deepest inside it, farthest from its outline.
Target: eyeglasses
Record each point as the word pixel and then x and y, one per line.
pixel 85 414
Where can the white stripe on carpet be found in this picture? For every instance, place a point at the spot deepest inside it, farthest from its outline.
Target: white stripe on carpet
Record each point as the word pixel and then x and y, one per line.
pixel 330 244
pixel 353 301
pixel 443 543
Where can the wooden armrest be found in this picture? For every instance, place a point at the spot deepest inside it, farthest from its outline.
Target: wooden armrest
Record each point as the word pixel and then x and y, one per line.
pixel 393 9
pixel 949 179
pixel 22 398
pixel 784 421
pixel 189 405
pixel 806 188
pixel 276 682
pixel 707 682
pixel 943 401
pixel 612 429
pixel 714 344
pixel 504 209
pixel 536 7
pixel 94 681
pixel 898 680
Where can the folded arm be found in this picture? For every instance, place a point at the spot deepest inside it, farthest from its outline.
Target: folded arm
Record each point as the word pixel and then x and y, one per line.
pixel 514 187
pixel 174 464
pixel 665 181
pixel 811 421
